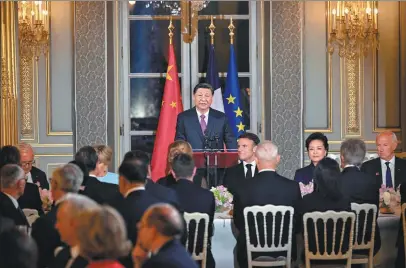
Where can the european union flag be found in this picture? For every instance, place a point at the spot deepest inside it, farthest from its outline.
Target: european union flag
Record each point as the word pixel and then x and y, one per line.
pixel 232 106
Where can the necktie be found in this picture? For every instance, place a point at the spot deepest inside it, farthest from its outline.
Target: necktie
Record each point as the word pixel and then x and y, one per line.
pixel 203 124
pixel 248 175
pixel 388 176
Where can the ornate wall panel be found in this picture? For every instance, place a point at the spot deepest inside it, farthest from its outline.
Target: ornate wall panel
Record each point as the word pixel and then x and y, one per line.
pixel 90 73
pixel 286 103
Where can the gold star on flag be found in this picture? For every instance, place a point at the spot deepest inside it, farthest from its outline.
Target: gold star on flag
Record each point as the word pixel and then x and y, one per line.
pixel 240 127
pixel 167 72
pixel 230 99
pixel 173 104
pixel 238 112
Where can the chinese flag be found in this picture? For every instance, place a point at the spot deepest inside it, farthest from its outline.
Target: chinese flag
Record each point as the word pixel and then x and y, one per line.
pixel 171 107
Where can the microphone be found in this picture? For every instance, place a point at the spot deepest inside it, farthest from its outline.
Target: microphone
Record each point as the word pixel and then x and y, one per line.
pixel 206 140
pixel 217 138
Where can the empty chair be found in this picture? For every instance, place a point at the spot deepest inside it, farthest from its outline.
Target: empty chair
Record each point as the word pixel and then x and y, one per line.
pixel 197 254
pixel 275 221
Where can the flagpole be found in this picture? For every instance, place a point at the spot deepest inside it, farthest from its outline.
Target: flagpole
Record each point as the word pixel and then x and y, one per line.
pixel 231 27
pixel 170 28
pixel 212 28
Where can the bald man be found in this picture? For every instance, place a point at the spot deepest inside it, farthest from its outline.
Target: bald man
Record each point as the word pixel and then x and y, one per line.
pixel 33 174
pixel 388 169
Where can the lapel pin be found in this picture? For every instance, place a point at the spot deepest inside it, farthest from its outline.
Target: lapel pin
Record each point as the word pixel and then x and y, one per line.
pixel 377 174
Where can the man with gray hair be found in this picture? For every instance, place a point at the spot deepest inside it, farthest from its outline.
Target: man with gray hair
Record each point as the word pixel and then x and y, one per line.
pixel 32 173
pixel 67 220
pixel 65 179
pixel 266 188
pixel 158 233
pixel 357 186
pixel 12 184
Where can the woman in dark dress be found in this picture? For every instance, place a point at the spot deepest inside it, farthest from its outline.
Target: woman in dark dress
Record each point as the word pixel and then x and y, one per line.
pixel 174 149
pixel 326 196
pixel 317 149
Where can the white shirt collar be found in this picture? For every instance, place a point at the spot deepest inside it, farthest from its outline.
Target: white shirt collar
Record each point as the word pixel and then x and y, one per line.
pixel 267 169
pixel 74 252
pixel 28 177
pixel 349 166
pixel 392 161
pixel 139 188
pixel 253 163
pixel 15 203
pixel 206 114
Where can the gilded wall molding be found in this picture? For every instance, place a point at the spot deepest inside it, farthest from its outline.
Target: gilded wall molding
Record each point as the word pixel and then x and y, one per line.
pixel 27 97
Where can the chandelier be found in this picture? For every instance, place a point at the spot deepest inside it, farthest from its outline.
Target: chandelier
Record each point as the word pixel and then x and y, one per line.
pixel 353 28
pixel 33 25
pixel 187 9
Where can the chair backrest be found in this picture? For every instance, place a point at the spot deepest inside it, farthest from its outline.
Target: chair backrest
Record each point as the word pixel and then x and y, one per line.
pixel 403 215
pixel 197 218
pixel 276 244
pixel 362 228
pixel 329 217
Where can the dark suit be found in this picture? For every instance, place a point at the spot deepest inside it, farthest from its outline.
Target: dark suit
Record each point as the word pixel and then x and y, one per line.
pixel 8 210
pixel 316 201
pixel 38 175
pixel 188 129
pixel 266 188
pixel 62 258
pixel 31 198
pixel 169 180
pixel 374 168
pixel 171 255
pixel 101 192
pixel 162 193
pixel 5 224
pixel 193 198
pixel 46 236
pixel 234 177
pixel 305 174
pixel 361 188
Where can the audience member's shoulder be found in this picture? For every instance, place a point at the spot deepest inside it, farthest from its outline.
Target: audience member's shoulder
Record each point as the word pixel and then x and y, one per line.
pixel 402 161
pixel 370 163
pixel 37 170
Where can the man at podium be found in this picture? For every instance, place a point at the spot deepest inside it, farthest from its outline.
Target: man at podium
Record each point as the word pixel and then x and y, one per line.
pixel 204 127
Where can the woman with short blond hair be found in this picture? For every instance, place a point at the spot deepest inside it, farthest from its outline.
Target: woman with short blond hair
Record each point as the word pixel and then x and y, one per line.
pixel 102 238
pixel 105 156
pixel 174 149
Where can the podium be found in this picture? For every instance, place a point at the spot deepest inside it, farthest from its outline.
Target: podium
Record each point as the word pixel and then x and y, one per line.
pixel 212 161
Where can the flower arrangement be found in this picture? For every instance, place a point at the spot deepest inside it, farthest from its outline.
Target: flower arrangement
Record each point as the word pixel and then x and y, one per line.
pixel 388 198
pixel 223 198
pixel 306 188
pixel 46 198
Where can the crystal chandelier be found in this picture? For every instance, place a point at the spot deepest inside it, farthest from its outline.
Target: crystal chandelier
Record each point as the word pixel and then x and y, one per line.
pixel 33 26
pixel 187 9
pixel 353 28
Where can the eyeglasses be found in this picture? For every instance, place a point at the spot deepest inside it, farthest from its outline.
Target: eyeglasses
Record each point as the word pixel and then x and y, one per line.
pixel 28 163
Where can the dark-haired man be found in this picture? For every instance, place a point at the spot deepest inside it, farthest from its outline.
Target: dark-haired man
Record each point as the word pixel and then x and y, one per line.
pixel 202 123
pixel 247 168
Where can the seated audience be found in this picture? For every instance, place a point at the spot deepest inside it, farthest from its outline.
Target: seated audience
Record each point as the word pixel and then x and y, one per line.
pixel 17 250
pixel 267 188
pixel 158 242
pixel 102 238
pixel 247 168
pixel 317 149
pixel 67 221
pixel 357 186
pixel 105 154
pixel 31 197
pixel 174 149
pixel 65 179
pixel 101 192
pixel 12 185
pixel 193 198
pixel 326 196
pixel 34 174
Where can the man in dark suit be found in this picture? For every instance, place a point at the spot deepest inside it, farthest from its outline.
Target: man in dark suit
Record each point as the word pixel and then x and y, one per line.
pixel 160 192
pixel 12 181
pixel 33 174
pixel 65 179
pixel 159 229
pixel 202 126
pixel 247 168
pixel 266 188
pixel 387 170
pixel 193 198
pixel 67 220
pixel 357 186
pixel 101 192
